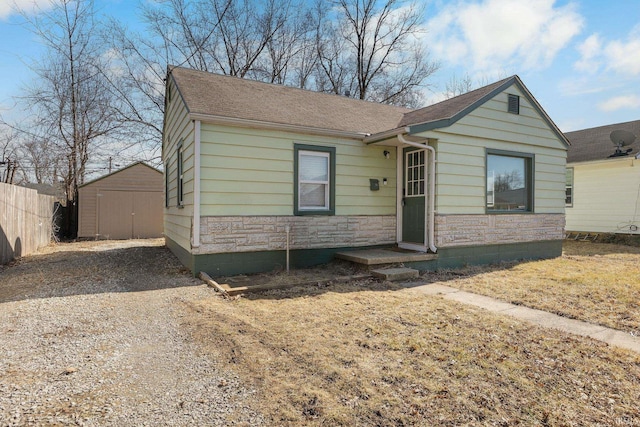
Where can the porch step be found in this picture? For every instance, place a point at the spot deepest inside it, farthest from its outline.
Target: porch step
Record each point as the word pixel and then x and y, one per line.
pixel 384 256
pixel 395 274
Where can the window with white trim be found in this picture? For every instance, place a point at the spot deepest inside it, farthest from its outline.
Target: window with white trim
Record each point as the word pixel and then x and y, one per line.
pixel 568 198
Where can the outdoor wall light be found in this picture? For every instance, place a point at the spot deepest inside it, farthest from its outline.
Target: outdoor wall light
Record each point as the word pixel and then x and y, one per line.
pixel 386 154
pixel 384 181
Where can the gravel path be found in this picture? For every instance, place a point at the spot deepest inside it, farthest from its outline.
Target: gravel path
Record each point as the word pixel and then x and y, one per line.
pixel 90 335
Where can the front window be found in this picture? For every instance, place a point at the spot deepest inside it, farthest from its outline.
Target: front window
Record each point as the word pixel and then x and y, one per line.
pixel 315 179
pixel 509 182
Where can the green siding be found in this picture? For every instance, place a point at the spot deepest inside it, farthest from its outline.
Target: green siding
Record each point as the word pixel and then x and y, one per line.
pixel 250 172
pixel 460 167
pixel 177 221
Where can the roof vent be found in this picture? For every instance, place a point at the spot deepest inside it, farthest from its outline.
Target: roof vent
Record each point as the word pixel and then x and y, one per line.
pixel 347 93
pixel 622 138
pixel 514 104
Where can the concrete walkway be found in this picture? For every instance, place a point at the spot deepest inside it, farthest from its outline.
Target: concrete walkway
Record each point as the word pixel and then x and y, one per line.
pixel 539 317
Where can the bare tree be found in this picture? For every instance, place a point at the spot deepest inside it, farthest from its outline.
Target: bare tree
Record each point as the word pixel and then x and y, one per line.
pixel 71 107
pixel 457 86
pixel 378 45
pixel 506 181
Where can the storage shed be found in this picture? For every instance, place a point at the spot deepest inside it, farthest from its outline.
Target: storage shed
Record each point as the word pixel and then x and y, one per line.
pixel 126 204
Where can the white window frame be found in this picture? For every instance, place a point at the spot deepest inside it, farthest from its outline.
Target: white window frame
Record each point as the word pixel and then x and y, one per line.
pixel 326 183
pixel 569 186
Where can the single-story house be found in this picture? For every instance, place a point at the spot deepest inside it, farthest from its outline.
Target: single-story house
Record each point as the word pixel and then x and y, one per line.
pixel 603 192
pixel 477 178
pixel 125 204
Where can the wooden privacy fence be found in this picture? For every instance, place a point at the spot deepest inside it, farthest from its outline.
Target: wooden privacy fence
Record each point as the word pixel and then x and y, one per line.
pixel 25 221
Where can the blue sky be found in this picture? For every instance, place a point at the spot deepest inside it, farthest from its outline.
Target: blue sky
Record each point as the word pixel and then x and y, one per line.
pixel 580 59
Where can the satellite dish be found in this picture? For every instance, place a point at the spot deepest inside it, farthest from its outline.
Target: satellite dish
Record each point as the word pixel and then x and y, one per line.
pixel 622 138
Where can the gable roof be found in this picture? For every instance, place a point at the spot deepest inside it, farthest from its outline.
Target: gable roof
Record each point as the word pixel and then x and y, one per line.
pixel 232 97
pixel 120 170
pixel 219 97
pixel 595 143
pixel 449 109
pixel 448 112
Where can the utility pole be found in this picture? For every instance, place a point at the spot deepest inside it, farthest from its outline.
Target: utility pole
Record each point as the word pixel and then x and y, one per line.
pixel 110 160
pixel 10 173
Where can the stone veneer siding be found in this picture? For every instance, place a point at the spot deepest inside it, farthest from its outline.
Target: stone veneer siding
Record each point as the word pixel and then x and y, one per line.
pixel 224 234
pixel 472 230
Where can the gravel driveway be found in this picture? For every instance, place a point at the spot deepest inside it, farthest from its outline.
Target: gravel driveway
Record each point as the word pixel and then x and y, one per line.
pixel 90 335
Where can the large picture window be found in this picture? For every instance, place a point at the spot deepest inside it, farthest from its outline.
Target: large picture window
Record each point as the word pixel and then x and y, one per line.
pixel 509 182
pixel 314 191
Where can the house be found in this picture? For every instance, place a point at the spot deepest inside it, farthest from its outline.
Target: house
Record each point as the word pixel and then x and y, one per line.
pixel 125 204
pixel 249 164
pixel 603 192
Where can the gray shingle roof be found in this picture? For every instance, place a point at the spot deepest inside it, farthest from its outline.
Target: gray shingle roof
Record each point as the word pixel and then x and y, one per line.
pixel 449 108
pixel 595 143
pixel 233 97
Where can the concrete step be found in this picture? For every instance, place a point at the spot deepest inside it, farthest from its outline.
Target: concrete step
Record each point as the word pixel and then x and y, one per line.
pixel 384 256
pixel 395 274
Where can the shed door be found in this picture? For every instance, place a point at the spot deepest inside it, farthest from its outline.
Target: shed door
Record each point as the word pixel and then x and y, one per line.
pixel 126 214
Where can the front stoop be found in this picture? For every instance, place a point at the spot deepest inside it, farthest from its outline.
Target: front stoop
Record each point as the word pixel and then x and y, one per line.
pixel 395 274
pixel 384 256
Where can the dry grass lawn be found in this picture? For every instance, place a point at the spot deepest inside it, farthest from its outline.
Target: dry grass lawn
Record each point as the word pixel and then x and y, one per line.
pixel 371 354
pixel 598 283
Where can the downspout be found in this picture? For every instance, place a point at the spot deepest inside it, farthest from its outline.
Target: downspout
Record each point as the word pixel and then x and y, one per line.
pixel 196 184
pixel 432 189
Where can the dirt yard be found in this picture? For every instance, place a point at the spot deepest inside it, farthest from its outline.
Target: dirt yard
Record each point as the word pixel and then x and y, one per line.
pixel 98 334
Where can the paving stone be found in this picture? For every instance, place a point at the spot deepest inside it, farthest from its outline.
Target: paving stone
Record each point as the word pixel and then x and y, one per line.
pixel 395 274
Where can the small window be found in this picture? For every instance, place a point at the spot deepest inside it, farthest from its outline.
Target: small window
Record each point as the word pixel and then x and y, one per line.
pixel 509 182
pixel 180 175
pixel 514 104
pixel 314 169
pixel 568 200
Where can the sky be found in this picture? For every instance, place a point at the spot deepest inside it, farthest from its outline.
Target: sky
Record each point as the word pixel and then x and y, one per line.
pixel 580 59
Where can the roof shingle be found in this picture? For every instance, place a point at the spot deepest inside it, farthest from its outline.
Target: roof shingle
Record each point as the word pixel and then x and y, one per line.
pixel 595 143
pixel 233 97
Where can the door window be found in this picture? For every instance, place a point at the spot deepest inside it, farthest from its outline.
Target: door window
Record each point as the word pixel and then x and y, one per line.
pixel 414 179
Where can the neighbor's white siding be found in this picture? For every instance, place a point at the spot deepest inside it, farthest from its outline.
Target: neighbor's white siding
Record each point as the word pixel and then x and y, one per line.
pixel 250 172
pixel 178 127
pixel 461 156
pixel 606 197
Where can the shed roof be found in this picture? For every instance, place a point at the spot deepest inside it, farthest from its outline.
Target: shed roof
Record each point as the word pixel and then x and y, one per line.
pixel 595 143
pixel 120 170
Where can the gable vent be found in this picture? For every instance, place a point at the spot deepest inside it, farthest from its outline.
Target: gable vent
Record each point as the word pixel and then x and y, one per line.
pixel 514 104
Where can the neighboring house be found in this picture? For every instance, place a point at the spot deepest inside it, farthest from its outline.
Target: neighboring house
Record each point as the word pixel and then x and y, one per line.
pixel 126 204
pixel 246 161
pixel 603 193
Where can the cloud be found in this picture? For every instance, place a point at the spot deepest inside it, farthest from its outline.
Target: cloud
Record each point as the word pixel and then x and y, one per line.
pixel 620 103
pixel 490 35
pixel 619 56
pixel 8 7
pixel 589 50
